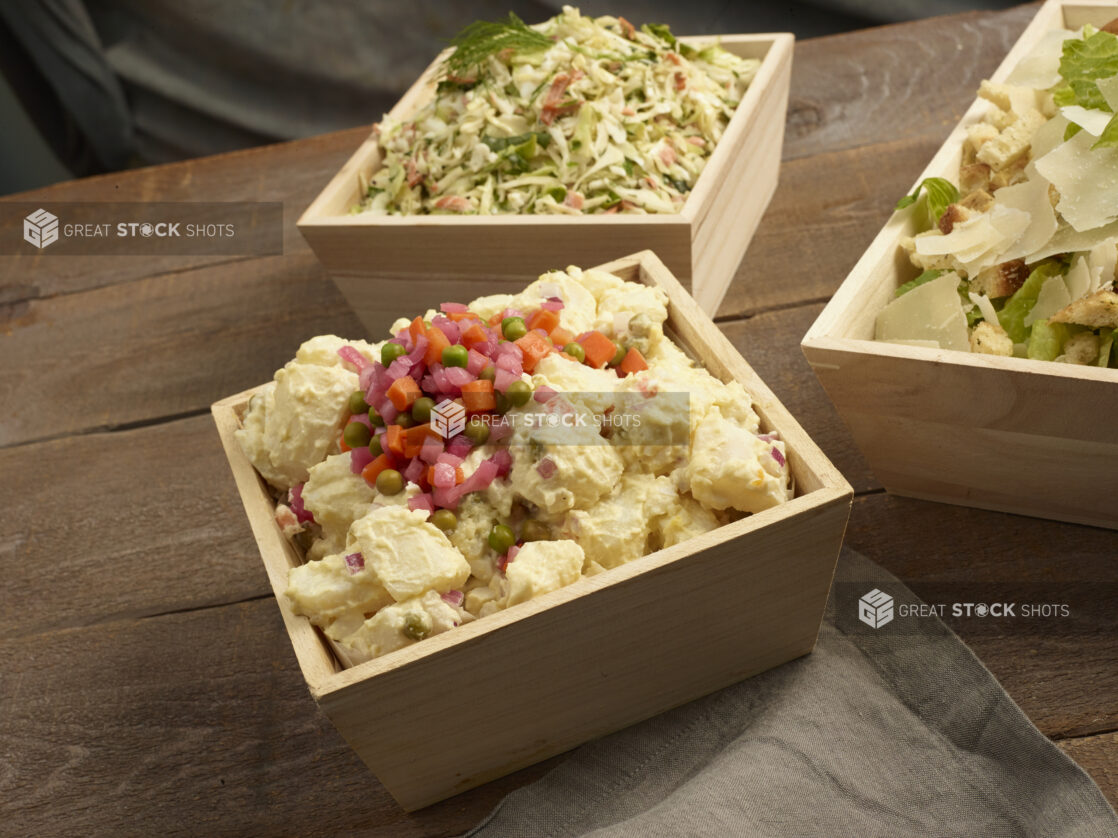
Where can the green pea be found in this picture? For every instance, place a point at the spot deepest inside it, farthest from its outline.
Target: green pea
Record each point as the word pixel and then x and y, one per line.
pixel 501 538
pixel 456 356
pixel 532 530
pixel 375 448
pixel 356 435
pixel 357 402
pixel 503 403
pixel 417 625
pixel 421 409
pixel 619 355
pixel 376 418
pixel 390 352
pixel 444 519
pixel 575 351
pixel 513 328
pixel 518 393
pixel 477 431
pixel 489 373
pixel 390 482
pixel 404 420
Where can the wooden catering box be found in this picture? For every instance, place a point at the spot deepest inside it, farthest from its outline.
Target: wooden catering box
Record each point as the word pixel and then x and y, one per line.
pixel 511 689
pixel 445 257
pixel 1008 434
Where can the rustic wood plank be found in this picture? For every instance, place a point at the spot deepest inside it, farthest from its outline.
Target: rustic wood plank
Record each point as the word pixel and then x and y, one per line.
pixel 826 210
pixel 160 346
pixel 195 723
pixel 894 82
pixel 137 522
pixel 291 172
pixel 1060 670
pixel 770 342
pixel 1098 756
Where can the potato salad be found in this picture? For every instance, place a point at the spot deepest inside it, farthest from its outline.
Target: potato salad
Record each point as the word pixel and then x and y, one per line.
pixel 491 452
pixel 1020 252
pixel 573 115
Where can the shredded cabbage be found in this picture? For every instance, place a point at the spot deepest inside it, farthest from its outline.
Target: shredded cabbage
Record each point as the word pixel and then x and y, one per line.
pixel 609 118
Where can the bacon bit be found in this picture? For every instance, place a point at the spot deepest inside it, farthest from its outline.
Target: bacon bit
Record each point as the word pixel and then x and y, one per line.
pixel 673 58
pixel 573 200
pixel 460 79
pixel 628 205
pixel 680 81
pixel 549 115
pixel 627 29
pixel 551 106
pixel 454 203
pixel 414 175
pixel 627 111
pixel 950 216
pixel 612 210
pixel 697 141
pixel 667 154
pixel 652 182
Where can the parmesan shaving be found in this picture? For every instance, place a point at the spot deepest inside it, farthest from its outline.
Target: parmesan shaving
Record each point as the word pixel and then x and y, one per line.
pixel 1041 67
pixel 1087 181
pixel 1092 121
pixel 1030 197
pixel 985 306
pixel 1053 297
pixel 1109 90
pixel 932 312
pixel 1079 280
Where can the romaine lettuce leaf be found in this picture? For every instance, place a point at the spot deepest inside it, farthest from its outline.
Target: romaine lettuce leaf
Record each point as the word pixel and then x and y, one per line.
pixel 1084 61
pixel 1012 315
pixel 1046 341
pixel 927 276
pixel 941 194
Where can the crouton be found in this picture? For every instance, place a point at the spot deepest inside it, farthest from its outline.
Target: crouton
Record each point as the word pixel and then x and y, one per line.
pixel 1097 311
pixel 1000 280
pixel 990 339
pixel 1082 348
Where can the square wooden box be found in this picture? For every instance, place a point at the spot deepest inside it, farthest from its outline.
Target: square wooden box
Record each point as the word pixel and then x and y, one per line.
pixel 1009 434
pixel 444 257
pixel 514 688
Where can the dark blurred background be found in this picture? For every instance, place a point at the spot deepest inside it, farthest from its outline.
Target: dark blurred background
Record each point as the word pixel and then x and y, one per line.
pixel 90 86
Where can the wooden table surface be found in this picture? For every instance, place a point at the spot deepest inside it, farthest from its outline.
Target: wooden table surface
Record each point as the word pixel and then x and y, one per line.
pixel 146 682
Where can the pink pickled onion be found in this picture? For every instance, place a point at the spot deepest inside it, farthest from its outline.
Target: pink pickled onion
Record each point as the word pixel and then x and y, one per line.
pixel 500 430
pixel 359 458
pixel 459 446
pixel 511 363
pixel 361 418
pixel 552 304
pixel 414 470
pixel 420 349
pixel 546 468
pixel 355 562
pixel 449 459
pixel 453 308
pixel 503 461
pixel 455 598
pixel 444 476
pixel 295 499
pixel 769 437
pixel 447 326
pixel 422 501
pixel 352 356
pixel 476 362
pixel 485 474
pixel 544 394
pixel 457 376
pixel 432 449
pixel 503 379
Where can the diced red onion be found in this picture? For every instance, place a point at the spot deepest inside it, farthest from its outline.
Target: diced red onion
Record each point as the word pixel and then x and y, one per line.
pixel 776 455
pixel 459 446
pixel 552 304
pixel 510 312
pixel 432 449
pixel 476 362
pixel 359 458
pixel 295 501
pixel 414 470
pixel 387 411
pixel 448 458
pixel 453 308
pixel 442 383
pixel 403 337
pixel 444 476
pixel 501 429
pixel 399 368
pixel 428 385
pixel 504 378
pixel 771 436
pixel 355 562
pixel 352 356
pixel 546 468
pixel 511 363
pixel 485 474
pixel 418 351
pixel 457 376
pixel 502 459
pixel 455 598
pixel 422 501
pixel 544 394
pixel 447 326
pixel 361 418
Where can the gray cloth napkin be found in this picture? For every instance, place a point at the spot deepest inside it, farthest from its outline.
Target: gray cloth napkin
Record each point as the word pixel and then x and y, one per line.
pixel 893 731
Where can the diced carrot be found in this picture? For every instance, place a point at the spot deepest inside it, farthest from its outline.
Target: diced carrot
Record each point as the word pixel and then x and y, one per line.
pixel 403 392
pixel 378 465
pixel 598 348
pixel 478 395
pixel 342 445
pixel 545 319
pixel 459 475
pixel 393 439
pixel 474 335
pixel 632 362
pixel 496 319
pixel 534 346
pixel 413 438
pixel 457 316
pixel 561 337
pixel 437 342
pixel 417 328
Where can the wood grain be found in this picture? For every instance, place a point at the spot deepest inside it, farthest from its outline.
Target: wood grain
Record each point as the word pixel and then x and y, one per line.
pixel 1096 756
